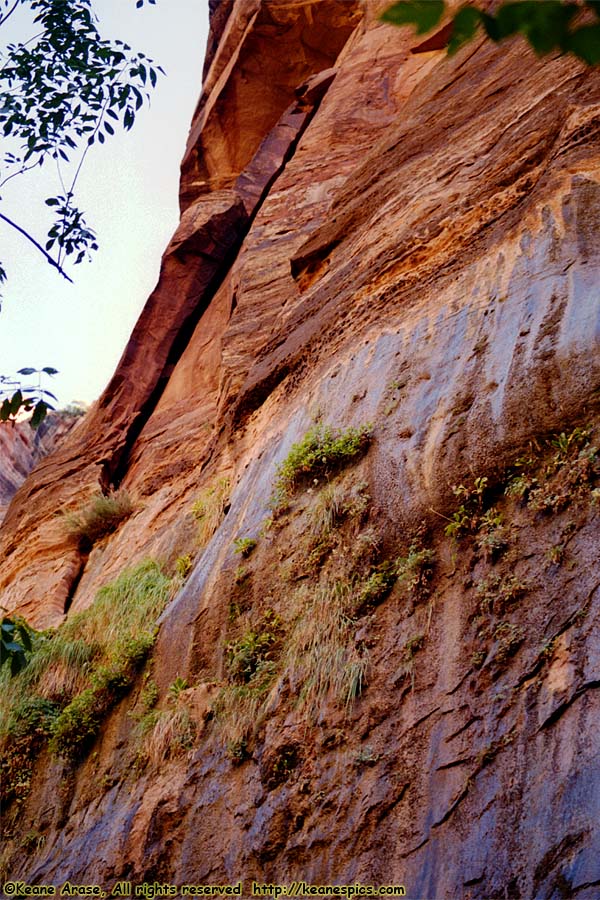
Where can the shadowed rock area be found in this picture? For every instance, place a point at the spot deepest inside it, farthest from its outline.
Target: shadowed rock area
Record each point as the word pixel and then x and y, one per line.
pixel 377 663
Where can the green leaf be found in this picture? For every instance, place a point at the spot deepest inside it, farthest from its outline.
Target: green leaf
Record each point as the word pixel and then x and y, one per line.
pixel 5 411
pixel 48 370
pixel 39 414
pixel 424 14
pixel 28 371
pixel 25 637
pixel 15 403
pixel 585 43
pixel 543 22
pixel 464 27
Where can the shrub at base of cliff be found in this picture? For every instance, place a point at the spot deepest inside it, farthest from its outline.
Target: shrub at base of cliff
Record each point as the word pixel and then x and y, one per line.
pixel 78 673
pixel 100 516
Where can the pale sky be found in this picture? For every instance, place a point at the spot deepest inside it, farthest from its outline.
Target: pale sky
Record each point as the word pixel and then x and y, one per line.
pixel 128 190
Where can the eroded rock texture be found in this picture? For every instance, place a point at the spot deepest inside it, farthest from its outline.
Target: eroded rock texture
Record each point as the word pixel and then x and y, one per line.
pixel 21 449
pixel 367 235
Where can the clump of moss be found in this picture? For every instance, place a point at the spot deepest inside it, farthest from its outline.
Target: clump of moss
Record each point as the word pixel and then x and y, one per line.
pixel 321 451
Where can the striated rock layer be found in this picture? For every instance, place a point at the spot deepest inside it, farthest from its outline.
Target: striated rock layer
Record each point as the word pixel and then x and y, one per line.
pixel 21 449
pixel 367 235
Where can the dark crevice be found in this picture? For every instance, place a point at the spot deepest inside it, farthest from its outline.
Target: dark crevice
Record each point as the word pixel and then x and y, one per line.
pixel 83 558
pixel 120 458
pixel 564 706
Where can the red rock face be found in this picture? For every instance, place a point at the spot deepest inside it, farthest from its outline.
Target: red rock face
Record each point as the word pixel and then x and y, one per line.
pixel 368 235
pixel 21 449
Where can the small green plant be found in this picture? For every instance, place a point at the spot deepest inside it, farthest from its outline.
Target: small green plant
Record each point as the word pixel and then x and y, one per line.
pixel 466 517
pixel 412 647
pixel 15 643
pixel 244 546
pixel 237 751
pixel 209 509
pixel 322 451
pixel 394 394
pixel 280 765
pixel 240 575
pixel 547 650
pixel 520 486
pixel 33 841
pixel 177 687
pixel 492 538
pixel 497 593
pixel 375 587
pixel 555 554
pixel 100 516
pixel 266 526
pixel 478 658
pixel 246 655
pixel 509 638
pixel 564 443
pixel 474 495
pixel 149 695
pixel 183 566
pixel 415 570
pixel 459 523
pixel 367 757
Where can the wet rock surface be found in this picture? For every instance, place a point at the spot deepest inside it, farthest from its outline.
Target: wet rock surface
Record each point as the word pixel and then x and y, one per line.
pixel 407 241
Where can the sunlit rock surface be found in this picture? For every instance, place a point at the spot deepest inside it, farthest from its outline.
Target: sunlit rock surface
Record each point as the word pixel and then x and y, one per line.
pixel 367 235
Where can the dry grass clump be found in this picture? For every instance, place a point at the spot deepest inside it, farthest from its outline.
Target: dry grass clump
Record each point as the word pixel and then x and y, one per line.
pixel 100 516
pixel 165 734
pixel 209 509
pixel 321 657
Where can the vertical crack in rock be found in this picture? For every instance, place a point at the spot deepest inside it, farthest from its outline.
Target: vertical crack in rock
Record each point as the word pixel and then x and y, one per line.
pixel 201 254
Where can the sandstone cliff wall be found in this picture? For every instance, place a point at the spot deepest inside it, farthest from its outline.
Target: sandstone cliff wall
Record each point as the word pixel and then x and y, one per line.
pixel 367 236
pixel 21 449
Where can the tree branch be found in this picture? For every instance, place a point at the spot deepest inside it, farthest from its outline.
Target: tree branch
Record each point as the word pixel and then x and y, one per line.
pixel 36 245
pixel 10 12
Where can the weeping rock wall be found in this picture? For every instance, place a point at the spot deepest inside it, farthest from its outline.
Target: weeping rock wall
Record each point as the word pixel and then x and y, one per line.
pixel 367 235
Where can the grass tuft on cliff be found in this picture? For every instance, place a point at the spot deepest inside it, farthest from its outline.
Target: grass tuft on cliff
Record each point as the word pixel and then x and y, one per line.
pixel 77 673
pixel 209 509
pixel 98 517
pixel 321 451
